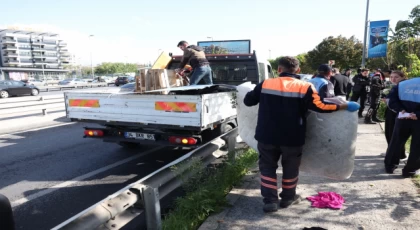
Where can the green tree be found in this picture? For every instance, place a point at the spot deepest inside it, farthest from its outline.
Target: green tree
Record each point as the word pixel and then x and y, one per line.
pixel 405 40
pixel 115 67
pixel 305 67
pixel 274 63
pixel 347 52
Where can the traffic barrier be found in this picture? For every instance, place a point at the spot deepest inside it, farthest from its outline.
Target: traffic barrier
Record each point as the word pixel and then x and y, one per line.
pixel 120 208
pixel 64 87
pixel 11 107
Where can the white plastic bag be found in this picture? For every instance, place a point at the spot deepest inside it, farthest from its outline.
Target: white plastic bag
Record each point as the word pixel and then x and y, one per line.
pixel 330 143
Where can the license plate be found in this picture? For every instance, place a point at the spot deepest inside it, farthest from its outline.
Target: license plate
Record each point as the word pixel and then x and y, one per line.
pixel 141 136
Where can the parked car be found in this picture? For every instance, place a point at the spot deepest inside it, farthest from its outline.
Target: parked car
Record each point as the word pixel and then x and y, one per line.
pixel 129 87
pixel 72 82
pixel 35 82
pixel 123 80
pixel 16 88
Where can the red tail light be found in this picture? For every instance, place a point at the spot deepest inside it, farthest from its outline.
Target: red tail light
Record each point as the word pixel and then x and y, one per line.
pixel 182 140
pixel 94 133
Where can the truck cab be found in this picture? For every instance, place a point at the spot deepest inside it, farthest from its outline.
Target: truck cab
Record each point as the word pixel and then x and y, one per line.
pixel 234 69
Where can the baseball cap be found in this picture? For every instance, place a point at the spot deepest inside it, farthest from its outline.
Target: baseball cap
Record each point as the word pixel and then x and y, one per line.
pixel 324 68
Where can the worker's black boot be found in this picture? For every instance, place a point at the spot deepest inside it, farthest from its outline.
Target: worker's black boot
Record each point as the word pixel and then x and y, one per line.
pixel 286 203
pixel 270 207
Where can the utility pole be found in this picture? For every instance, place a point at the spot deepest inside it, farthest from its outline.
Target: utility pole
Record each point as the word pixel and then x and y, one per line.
pixel 365 36
pixel 91 63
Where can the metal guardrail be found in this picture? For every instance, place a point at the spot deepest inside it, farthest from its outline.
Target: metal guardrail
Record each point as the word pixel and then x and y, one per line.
pixel 120 208
pixel 63 87
pixel 40 104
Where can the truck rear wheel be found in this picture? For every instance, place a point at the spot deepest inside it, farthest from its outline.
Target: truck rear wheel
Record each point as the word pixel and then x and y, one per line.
pixel 129 145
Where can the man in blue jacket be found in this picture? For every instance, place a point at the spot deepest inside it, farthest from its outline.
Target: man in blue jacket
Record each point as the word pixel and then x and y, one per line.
pixel 405 99
pixel 322 82
pixel 281 128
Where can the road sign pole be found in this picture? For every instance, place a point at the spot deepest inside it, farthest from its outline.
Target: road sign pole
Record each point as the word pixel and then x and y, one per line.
pixel 365 37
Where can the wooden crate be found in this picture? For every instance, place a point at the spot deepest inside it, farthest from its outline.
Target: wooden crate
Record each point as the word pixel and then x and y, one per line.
pixel 155 79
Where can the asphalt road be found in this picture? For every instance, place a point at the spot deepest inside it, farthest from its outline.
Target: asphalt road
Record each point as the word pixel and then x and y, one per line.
pixel 52 174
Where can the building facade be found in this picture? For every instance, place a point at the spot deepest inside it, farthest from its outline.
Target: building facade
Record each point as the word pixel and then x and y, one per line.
pixel 30 55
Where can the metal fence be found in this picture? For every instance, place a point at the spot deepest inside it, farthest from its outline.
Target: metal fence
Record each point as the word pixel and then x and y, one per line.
pixel 12 107
pixel 144 196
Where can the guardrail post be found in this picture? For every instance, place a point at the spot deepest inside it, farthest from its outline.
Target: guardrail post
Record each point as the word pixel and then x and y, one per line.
pixel 150 198
pixel 231 146
pixel 44 112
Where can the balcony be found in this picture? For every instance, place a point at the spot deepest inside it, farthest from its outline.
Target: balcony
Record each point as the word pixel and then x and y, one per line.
pixel 37 49
pixel 9 48
pixel 8 41
pixel 62 44
pixel 12 62
pixel 45 42
pixel 36 42
pixel 25 54
pixel 26 64
pixel 50 45
pixel 23 41
pixel 50 57
pixel 7 54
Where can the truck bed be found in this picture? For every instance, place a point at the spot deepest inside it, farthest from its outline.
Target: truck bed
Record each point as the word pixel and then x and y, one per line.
pixel 196 112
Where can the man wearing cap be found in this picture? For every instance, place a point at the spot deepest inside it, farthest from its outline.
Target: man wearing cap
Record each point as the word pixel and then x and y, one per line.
pixel 340 83
pixel 361 82
pixel 195 56
pixel 322 82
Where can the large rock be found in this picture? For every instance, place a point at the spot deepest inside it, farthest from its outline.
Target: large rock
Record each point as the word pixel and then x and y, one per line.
pixel 330 138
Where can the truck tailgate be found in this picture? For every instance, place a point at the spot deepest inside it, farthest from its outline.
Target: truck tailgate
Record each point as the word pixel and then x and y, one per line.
pixel 178 110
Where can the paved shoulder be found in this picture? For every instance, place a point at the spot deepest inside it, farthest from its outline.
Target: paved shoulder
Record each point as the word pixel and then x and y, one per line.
pixel 374 200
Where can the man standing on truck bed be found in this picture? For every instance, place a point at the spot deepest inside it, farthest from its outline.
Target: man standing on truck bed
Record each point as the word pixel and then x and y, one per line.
pixel 195 56
pixel 281 128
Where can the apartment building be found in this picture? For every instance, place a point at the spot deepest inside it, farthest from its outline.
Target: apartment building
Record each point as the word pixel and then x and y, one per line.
pixel 32 55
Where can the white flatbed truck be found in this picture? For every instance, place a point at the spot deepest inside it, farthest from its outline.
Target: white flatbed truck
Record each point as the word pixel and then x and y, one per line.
pixel 187 116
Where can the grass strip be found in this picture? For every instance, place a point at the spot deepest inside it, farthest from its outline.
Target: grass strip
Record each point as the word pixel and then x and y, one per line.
pixel 206 192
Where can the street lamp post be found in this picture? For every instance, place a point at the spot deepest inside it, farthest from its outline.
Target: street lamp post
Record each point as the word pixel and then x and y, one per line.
pixel 365 36
pixel 91 62
pixel 269 54
pixel 42 63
